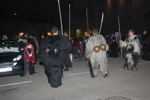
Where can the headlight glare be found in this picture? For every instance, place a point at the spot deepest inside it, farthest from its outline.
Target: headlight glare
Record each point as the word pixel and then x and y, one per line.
pixel 14 64
pixel 17 58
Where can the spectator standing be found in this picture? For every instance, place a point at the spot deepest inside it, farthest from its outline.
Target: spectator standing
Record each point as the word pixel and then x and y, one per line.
pixel 30 57
pixel 41 40
pixel 107 38
pixel 145 45
pixel 81 50
pixel 113 49
pixel 5 37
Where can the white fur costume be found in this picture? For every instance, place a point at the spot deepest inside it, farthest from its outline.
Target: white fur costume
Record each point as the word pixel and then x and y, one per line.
pixel 97 59
pixel 132 49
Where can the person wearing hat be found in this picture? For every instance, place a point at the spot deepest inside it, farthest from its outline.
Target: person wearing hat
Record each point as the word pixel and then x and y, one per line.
pixel 5 37
pixel 30 57
pixel 22 41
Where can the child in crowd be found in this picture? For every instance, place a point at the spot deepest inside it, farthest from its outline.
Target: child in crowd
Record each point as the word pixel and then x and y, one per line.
pixel 30 57
pixel 81 50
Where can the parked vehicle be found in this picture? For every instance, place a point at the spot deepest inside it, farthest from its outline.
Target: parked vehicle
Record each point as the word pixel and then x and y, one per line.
pixel 11 60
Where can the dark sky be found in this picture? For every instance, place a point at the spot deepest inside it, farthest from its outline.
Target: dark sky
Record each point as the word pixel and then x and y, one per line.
pixel 41 10
pixel 37 9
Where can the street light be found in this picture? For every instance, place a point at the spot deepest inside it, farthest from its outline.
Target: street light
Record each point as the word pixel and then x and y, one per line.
pixel 14 14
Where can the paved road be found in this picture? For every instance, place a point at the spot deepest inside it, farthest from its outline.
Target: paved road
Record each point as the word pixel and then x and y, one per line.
pixel 78 85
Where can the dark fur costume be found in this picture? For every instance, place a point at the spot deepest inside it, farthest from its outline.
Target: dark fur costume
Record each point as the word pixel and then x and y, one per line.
pixel 54 62
pixel 131 50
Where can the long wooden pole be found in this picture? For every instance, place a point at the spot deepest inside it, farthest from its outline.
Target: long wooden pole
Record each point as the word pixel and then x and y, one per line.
pixel 60 17
pixel 101 23
pixel 120 39
pixel 87 20
pixel 69 20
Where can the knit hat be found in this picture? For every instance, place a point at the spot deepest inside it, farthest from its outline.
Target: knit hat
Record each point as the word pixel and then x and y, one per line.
pixel 29 45
pixel 4 36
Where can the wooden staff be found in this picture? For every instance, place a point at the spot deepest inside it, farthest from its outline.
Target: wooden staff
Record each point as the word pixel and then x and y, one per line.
pixel 101 22
pixel 69 21
pixel 87 19
pixel 60 17
pixel 120 39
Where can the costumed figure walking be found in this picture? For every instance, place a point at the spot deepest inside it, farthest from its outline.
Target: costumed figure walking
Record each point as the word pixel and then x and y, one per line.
pixel 54 58
pixel 96 53
pixel 131 50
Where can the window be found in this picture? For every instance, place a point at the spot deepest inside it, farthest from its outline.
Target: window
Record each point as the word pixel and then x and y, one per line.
pixel 129 3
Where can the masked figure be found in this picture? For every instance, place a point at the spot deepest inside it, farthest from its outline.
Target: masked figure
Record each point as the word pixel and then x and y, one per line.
pixel 131 50
pixel 53 54
pixel 96 53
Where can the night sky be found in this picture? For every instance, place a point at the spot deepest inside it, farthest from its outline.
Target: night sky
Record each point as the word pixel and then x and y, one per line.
pixel 41 10
pixel 38 10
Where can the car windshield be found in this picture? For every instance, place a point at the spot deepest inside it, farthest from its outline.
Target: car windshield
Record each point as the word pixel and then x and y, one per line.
pixel 8 44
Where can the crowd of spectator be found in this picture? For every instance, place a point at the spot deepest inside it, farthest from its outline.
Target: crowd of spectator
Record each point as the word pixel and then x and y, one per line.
pixel 78 45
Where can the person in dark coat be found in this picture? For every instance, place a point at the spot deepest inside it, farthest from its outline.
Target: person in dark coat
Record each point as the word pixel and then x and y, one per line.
pixel 54 49
pixel 41 41
pixel 146 46
pixel 113 37
pixel 107 38
pixel 113 49
pixel 22 43
pixel 144 42
pixel 67 61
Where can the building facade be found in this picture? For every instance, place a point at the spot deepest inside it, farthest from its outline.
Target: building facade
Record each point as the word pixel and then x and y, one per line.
pixel 12 30
pixel 133 14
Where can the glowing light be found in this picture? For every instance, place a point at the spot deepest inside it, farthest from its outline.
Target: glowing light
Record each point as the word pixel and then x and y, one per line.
pixel 85 33
pixel 109 3
pixel 15 14
pixel 49 33
pixel 14 64
pixel 21 34
pixel 78 33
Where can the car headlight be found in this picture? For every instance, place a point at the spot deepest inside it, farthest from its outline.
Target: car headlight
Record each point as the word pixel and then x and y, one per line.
pixel 14 64
pixel 17 58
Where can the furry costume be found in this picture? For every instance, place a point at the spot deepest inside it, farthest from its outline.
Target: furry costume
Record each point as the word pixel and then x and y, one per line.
pixel 132 48
pixel 54 59
pixel 97 59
